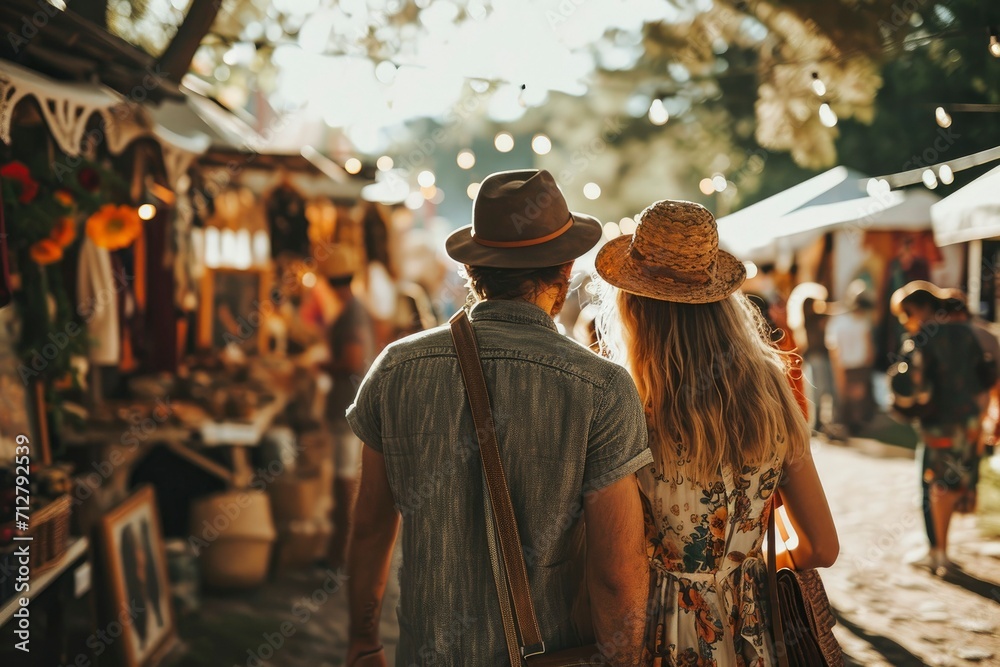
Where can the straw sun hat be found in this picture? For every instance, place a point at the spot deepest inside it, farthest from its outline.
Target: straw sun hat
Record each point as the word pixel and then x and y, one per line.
pixel 673 255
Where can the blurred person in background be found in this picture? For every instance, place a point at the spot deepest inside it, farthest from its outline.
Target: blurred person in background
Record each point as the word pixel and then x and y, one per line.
pixel 724 427
pixel 955 303
pixel 351 341
pixel 908 266
pixel 851 343
pixel 808 312
pixel 939 380
pixel 378 290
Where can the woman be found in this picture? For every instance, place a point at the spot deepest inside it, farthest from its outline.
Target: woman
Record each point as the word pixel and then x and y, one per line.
pixel 725 430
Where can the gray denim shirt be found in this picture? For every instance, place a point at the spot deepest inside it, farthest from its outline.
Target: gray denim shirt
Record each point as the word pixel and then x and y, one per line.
pixel 567 422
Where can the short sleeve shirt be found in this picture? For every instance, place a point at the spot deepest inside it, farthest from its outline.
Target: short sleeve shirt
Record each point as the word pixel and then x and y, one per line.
pixel 568 423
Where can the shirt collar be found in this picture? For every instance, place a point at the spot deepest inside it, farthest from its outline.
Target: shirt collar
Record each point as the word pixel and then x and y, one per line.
pixel 506 310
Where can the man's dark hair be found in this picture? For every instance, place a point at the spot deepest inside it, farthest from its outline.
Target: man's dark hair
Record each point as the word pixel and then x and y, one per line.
pixel 340 281
pixel 491 283
pixel 922 299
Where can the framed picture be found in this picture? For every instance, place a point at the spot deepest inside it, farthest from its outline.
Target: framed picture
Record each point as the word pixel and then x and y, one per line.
pixel 136 576
pixel 230 311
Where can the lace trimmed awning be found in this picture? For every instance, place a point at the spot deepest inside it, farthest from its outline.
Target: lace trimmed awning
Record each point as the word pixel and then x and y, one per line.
pixel 67 108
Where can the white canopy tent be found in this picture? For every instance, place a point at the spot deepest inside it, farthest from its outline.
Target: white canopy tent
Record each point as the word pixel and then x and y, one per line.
pixel 752 232
pixel 970 215
pixel 898 210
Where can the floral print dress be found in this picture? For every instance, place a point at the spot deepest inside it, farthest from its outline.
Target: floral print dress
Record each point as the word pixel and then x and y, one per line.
pixel 708 584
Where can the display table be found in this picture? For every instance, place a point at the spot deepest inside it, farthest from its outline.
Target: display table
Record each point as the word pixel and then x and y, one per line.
pixel 186 440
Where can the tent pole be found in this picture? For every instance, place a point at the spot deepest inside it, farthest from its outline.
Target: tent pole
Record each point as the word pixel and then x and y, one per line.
pixel 975 275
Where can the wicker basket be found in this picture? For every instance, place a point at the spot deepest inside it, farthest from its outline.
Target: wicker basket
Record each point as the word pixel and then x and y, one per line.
pixel 49 528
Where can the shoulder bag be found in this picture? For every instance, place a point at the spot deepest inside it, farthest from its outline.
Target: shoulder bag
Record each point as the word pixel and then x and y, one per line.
pixel 801 618
pixel 510 573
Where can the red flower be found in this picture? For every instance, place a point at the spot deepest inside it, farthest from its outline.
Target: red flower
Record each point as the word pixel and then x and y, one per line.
pixel 89 179
pixel 18 172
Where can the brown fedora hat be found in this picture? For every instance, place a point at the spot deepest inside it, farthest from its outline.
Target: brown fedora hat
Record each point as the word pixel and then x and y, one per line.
pixel 520 220
pixel 673 255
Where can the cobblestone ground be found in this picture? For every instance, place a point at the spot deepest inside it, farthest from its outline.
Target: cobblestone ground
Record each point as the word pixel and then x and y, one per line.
pixel 889 613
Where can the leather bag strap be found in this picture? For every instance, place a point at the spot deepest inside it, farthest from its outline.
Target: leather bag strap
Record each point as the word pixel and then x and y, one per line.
pixel 772 584
pixel 511 553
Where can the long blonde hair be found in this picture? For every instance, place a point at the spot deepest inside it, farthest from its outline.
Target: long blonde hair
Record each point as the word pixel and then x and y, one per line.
pixel 714 387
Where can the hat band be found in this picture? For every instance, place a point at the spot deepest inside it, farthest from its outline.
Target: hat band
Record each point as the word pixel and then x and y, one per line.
pixel 525 243
pixel 699 278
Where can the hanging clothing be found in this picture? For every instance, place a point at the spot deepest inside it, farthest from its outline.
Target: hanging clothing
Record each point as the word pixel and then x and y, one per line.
pixel 708 589
pixel 97 299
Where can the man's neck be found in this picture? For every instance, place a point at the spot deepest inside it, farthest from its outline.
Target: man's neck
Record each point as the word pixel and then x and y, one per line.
pixel 546 302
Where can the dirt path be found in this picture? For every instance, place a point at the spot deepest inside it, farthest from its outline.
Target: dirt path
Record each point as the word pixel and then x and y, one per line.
pixel 889 613
pixel 892 613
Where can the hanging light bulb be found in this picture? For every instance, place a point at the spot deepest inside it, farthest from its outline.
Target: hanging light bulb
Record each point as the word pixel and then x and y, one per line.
pixel 817 85
pixel 930 179
pixel 946 175
pixel 504 142
pixel 541 144
pixel 827 115
pixel 658 114
pixel 942 117
pixel 466 159
pixel 994 46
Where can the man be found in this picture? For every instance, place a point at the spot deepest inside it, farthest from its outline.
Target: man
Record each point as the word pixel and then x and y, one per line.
pixel 945 364
pixel 571 432
pixel 955 303
pixel 351 339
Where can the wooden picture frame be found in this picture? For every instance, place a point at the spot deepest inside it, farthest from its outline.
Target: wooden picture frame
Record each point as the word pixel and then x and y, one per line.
pixel 135 576
pixel 234 308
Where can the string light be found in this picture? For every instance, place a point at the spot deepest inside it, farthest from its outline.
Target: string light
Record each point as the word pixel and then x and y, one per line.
pixel 827 115
pixel 994 46
pixel 384 163
pixel 627 225
pixel 930 179
pixel 472 190
pixel 946 175
pixel 466 159
pixel 147 212
pixel 658 114
pixel 541 144
pixel 612 230
pixel 426 179
pixel 942 117
pixel 706 186
pixel 592 190
pixel 504 142
pixel 719 183
pixel 352 166
pixel 817 85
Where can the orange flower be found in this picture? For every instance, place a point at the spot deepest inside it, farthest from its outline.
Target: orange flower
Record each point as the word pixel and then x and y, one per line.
pixel 45 251
pixel 64 232
pixel 65 197
pixel 114 227
pixel 717 523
